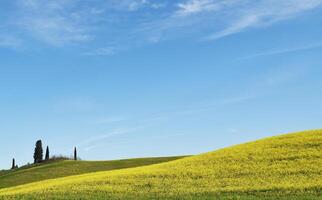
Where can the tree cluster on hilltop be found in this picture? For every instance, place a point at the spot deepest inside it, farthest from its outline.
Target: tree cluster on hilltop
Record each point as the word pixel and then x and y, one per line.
pixel 39 155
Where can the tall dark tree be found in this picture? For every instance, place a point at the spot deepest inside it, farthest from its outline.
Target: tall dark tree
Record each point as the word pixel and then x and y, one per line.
pixel 13 164
pixel 38 154
pixel 47 153
pixel 75 153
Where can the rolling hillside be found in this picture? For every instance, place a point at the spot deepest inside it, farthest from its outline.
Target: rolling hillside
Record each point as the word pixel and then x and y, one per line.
pixel 283 167
pixel 67 168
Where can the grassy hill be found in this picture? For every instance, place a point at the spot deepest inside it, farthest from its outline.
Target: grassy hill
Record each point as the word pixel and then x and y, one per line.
pixel 59 169
pixel 282 167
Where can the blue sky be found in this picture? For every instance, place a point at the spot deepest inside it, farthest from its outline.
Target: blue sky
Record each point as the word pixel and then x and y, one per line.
pixel 136 78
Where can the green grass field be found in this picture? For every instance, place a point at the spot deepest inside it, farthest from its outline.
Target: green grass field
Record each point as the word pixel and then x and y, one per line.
pixel 59 169
pixel 282 167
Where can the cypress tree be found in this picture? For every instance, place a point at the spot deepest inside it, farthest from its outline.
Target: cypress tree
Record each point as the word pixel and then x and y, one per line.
pixel 47 153
pixel 38 154
pixel 13 164
pixel 75 153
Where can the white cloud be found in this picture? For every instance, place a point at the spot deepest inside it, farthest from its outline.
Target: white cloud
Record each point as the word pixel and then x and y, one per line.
pixel 157 5
pixel 133 23
pixel 132 5
pixel 135 5
pixel 214 19
pixel 238 26
pixel 116 132
pixel 284 51
pixel 262 13
pixel 63 22
pixel 56 30
pixel 151 138
pixel 156 118
pixel 197 6
pixel 54 22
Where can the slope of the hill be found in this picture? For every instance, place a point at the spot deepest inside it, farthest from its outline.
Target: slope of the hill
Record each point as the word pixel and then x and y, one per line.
pixel 68 168
pixel 282 167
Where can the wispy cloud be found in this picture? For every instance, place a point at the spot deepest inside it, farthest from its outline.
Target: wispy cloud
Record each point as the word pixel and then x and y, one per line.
pixel 284 51
pixel 62 22
pixel 119 131
pixel 204 106
pixel 212 19
pixel 272 79
pixel 242 23
pixel 149 120
pixel 197 6
pixel 101 25
pixel 55 22
pixel 133 5
pixel 244 14
pixel 151 138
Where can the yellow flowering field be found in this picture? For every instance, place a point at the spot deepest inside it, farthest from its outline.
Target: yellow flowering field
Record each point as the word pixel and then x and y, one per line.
pixel 282 167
